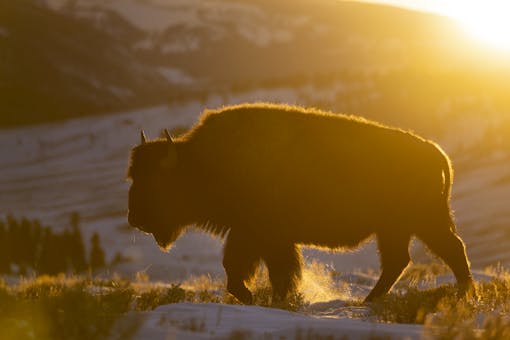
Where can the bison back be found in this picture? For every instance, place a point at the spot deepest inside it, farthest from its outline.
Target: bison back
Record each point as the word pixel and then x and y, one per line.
pixel 291 165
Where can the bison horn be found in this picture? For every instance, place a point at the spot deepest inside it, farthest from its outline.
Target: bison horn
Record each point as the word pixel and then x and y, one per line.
pixel 171 159
pixel 143 140
pixel 168 137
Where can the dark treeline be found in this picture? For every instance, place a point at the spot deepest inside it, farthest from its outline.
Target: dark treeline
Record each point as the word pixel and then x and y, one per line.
pixel 26 245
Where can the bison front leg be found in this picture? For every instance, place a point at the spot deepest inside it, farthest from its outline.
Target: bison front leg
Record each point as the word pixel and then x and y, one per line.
pixel 240 261
pixel 284 264
pixel 394 252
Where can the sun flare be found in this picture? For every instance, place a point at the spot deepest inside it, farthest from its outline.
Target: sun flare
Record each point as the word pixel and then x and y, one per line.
pixel 488 21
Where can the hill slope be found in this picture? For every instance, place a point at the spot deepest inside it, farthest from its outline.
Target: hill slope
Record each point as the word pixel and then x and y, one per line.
pixel 88 57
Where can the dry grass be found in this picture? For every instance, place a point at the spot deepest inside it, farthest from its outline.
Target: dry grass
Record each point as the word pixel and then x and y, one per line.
pixel 63 307
pixel 445 315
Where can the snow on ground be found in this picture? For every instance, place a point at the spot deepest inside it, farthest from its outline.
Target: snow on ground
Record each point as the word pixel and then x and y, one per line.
pixel 327 317
pixel 205 321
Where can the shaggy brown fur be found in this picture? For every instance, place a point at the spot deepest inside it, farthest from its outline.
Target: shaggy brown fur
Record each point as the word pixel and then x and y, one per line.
pixel 275 177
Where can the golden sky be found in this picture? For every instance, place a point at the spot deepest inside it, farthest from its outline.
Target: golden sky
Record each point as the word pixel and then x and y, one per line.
pixel 486 20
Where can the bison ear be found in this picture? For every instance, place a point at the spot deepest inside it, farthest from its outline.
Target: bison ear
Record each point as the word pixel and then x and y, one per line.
pixel 143 140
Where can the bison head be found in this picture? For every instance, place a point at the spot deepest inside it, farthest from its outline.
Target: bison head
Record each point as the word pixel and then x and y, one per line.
pixel 155 204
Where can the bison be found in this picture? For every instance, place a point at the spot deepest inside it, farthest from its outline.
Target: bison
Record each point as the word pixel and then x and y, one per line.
pixel 269 178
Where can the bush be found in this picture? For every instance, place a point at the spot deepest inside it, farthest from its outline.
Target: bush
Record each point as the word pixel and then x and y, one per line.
pixel 61 308
pixel 446 316
pixel 413 305
pixel 160 296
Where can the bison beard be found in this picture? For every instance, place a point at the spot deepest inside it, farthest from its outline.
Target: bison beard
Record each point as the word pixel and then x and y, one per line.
pixel 274 177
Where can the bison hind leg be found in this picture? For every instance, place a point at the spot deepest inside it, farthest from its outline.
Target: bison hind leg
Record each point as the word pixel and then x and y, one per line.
pixel 240 260
pixel 451 249
pixel 394 253
pixel 284 265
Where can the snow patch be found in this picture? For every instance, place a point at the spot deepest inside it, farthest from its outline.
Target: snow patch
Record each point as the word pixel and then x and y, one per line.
pixel 144 45
pixel 183 45
pixel 264 36
pixel 207 320
pixel 120 92
pixel 150 16
pixel 176 76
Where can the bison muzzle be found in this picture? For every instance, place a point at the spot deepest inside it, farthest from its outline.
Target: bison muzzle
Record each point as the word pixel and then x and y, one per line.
pixel 269 178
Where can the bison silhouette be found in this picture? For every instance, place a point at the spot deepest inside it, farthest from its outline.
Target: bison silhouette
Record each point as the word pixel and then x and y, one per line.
pixel 271 177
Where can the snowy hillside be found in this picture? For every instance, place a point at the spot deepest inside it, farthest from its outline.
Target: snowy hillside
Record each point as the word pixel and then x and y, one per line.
pixel 59 66
pixel 95 57
pixel 49 171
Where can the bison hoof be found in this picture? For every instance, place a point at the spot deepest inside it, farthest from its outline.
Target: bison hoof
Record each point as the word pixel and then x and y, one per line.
pixel 467 290
pixel 242 294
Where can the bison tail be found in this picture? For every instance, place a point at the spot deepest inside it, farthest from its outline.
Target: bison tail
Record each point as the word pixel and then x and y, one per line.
pixel 447 169
pixel 447 175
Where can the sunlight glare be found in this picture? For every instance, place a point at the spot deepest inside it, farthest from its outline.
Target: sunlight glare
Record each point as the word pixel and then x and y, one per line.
pixel 488 21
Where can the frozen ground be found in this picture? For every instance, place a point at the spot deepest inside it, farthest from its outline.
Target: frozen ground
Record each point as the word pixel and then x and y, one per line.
pixel 51 170
pixel 204 321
